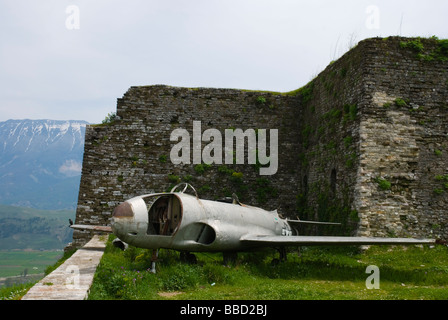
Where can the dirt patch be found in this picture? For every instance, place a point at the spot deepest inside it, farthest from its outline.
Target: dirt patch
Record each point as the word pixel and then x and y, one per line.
pixel 169 294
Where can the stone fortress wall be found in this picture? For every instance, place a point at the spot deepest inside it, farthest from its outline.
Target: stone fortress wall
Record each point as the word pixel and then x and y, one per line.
pixel 365 143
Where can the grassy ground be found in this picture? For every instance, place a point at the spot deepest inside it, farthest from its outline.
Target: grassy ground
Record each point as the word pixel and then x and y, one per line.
pixel 316 273
pixel 14 263
pixel 15 292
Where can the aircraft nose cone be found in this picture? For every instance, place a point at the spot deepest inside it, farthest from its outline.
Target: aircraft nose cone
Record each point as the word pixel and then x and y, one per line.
pixel 124 210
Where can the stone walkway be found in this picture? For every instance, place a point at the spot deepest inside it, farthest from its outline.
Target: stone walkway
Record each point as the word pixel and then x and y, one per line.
pixel 72 280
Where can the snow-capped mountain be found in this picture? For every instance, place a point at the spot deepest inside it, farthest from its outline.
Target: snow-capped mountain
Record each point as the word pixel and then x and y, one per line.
pixel 40 162
pixel 31 135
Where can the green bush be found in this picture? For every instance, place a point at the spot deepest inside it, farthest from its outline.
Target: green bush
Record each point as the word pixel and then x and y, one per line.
pixel 400 102
pixel 383 184
pixel 415 45
pixel 110 118
pixel 261 100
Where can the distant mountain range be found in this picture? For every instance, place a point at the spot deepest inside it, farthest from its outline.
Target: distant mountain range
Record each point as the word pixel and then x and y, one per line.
pixel 40 163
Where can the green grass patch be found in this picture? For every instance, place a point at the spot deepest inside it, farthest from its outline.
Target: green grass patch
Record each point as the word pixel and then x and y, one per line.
pixel 316 273
pixel 14 263
pixel 17 291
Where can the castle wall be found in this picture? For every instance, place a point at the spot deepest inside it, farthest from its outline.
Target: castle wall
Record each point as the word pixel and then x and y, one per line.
pixel 374 140
pixel 364 143
pixel 131 156
pixel 403 169
pixel 329 149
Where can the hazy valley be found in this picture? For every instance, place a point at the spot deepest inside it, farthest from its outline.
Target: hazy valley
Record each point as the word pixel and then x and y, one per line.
pixel 40 171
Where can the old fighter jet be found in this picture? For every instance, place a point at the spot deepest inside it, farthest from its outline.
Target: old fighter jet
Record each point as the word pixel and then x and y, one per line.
pixel 183 222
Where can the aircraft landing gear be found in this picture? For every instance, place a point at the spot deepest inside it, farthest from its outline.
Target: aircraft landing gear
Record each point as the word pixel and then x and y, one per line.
pixel 282 257
pixel 188 257
pixel 155 254
pixel 229 258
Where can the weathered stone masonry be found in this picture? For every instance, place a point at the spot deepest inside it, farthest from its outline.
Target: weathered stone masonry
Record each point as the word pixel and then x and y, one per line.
pixel 365 143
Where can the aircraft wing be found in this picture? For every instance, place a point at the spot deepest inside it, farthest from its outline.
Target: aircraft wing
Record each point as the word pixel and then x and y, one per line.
pixel 324 241
pixel 91 227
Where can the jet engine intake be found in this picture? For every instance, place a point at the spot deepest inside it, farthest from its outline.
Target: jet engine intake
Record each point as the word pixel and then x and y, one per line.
pixel 206 235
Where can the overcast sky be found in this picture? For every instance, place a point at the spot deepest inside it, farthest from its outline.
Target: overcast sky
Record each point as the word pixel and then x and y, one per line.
pixel 71 59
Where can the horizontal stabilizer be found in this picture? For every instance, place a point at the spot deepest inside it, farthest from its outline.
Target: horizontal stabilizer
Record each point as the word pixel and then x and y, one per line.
pixel 313 222
pixel 324 241
pixel 91 227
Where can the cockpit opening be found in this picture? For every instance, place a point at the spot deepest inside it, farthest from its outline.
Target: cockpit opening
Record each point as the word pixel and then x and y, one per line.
pixel 164 215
